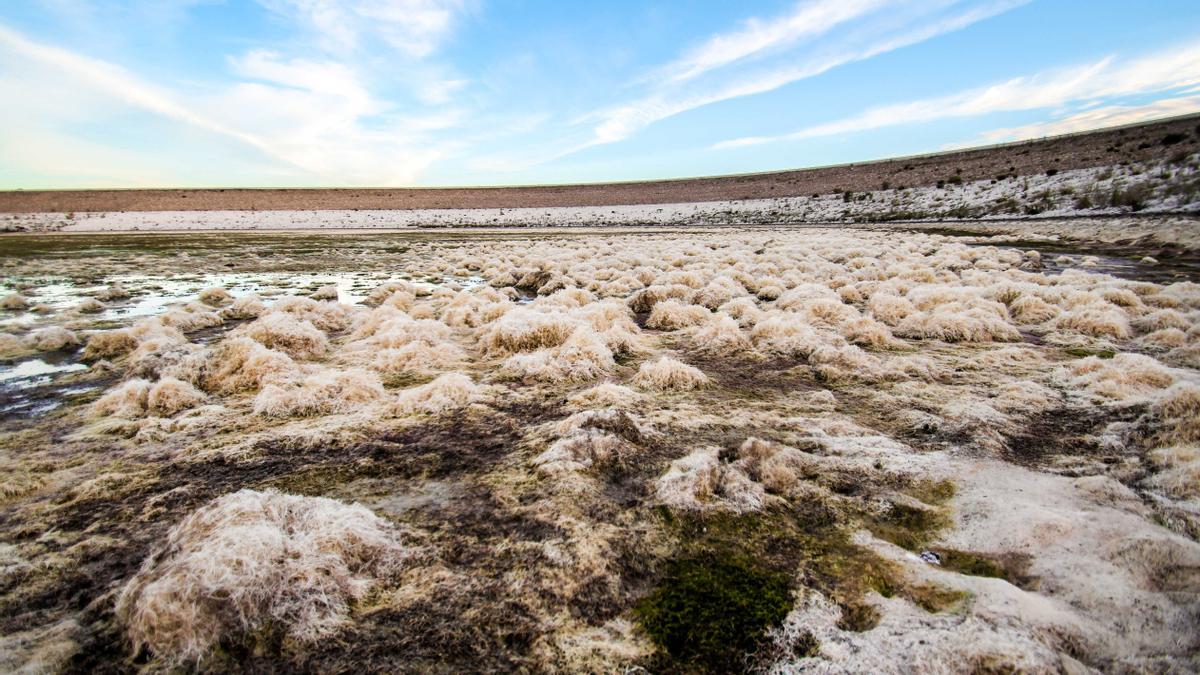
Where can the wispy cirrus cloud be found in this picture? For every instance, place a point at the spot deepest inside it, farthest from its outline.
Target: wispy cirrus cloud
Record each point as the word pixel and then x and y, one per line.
pixel 1095 118
pixel 115 81
pixel 314 117
pixel 757 36
pixel 800 45
pixel 1104 79
pixel 413 27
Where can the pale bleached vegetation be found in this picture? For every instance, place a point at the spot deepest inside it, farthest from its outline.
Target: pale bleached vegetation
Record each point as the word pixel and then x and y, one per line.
pixel 669 374
pixel 563 418
pixel 250 562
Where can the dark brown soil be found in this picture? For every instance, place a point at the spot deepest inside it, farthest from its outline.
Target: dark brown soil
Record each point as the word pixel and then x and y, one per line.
pixel 1135 143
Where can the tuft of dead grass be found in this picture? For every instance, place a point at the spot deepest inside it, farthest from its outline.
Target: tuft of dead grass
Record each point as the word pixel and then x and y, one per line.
pixel 253 562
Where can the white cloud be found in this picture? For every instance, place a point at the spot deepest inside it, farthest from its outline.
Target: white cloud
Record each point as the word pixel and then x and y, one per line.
pixel 1107 78
pixel 315 120
pixel 437 91
pixel 114 81
pixel 1093 118
pixel 319 116
pixel 684 90
pixel 415 27
pixel 758 36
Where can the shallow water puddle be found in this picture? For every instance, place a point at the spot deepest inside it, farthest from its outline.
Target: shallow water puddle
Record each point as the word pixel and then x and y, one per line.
pixel 27 388
pixel 1123 263
pixel 33 373
pixel 151 296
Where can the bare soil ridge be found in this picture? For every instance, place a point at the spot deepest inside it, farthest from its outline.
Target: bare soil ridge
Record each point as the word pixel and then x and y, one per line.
pixel 1106 147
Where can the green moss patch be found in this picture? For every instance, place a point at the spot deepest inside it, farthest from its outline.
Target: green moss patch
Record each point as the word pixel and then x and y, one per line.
pixel 732 577
pixel 907 526
pixel 1013 568
pixel 932 492
pixel 711 610
pixel 1081 353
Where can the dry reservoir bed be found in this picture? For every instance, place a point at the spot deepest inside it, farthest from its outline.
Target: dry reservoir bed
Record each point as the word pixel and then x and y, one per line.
pixel 776 449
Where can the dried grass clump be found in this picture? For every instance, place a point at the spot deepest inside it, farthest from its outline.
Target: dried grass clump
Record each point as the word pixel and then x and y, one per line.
pixel 215 297
pixel 673 315
pixel 1030 309
pixel 298 339
pixel 800 296
pixel 864 330
pixel 778 467
pixel 571 298
pixel 1187 292
pixel 474 308
pixel 524 329
pixel 326 316
pixel 246 307
pixel 605 395
pixel 1167 338
pixel 1005 358
pixel 89 306
pixel 1095 321
pixel 613 322
pixel 241 364
pixel 14 302
pixel 611 420
pixel 190 318
pixel 1026 398
pixel 770 290
pixel 252 562
pixel 447 393
pixel 11 345
pixel 668 374
pixel 644 300
pixel 327 292
pixel 166 354
pixel 110 344
pixel 114 291
pixel 1162 319
pixel 582 450
pixel 127 400
pixel 847 362
pixel 786 334
pixel 418 357
pixel 388 328
pixel 890 309
pixel 137 398
pixel 1122 377
pixel 324 392
pixel 718 292
pixel 701 482
pixel 382 293
pixel 53 339
pixel 744 310
pixel 960 322
pixel 1177 471
pixel 583 357
pixel 1187 357
pixel 170 395
pixel 1178 410
pixel 828 313
pixel 721 336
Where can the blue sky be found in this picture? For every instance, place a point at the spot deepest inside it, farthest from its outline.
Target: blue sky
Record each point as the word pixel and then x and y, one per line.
pixel 150 93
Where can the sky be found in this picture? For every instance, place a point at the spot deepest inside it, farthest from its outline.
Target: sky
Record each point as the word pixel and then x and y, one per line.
pixel 312 93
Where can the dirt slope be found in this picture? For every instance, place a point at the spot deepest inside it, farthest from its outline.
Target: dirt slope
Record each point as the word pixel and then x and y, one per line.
pixel 1105 147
